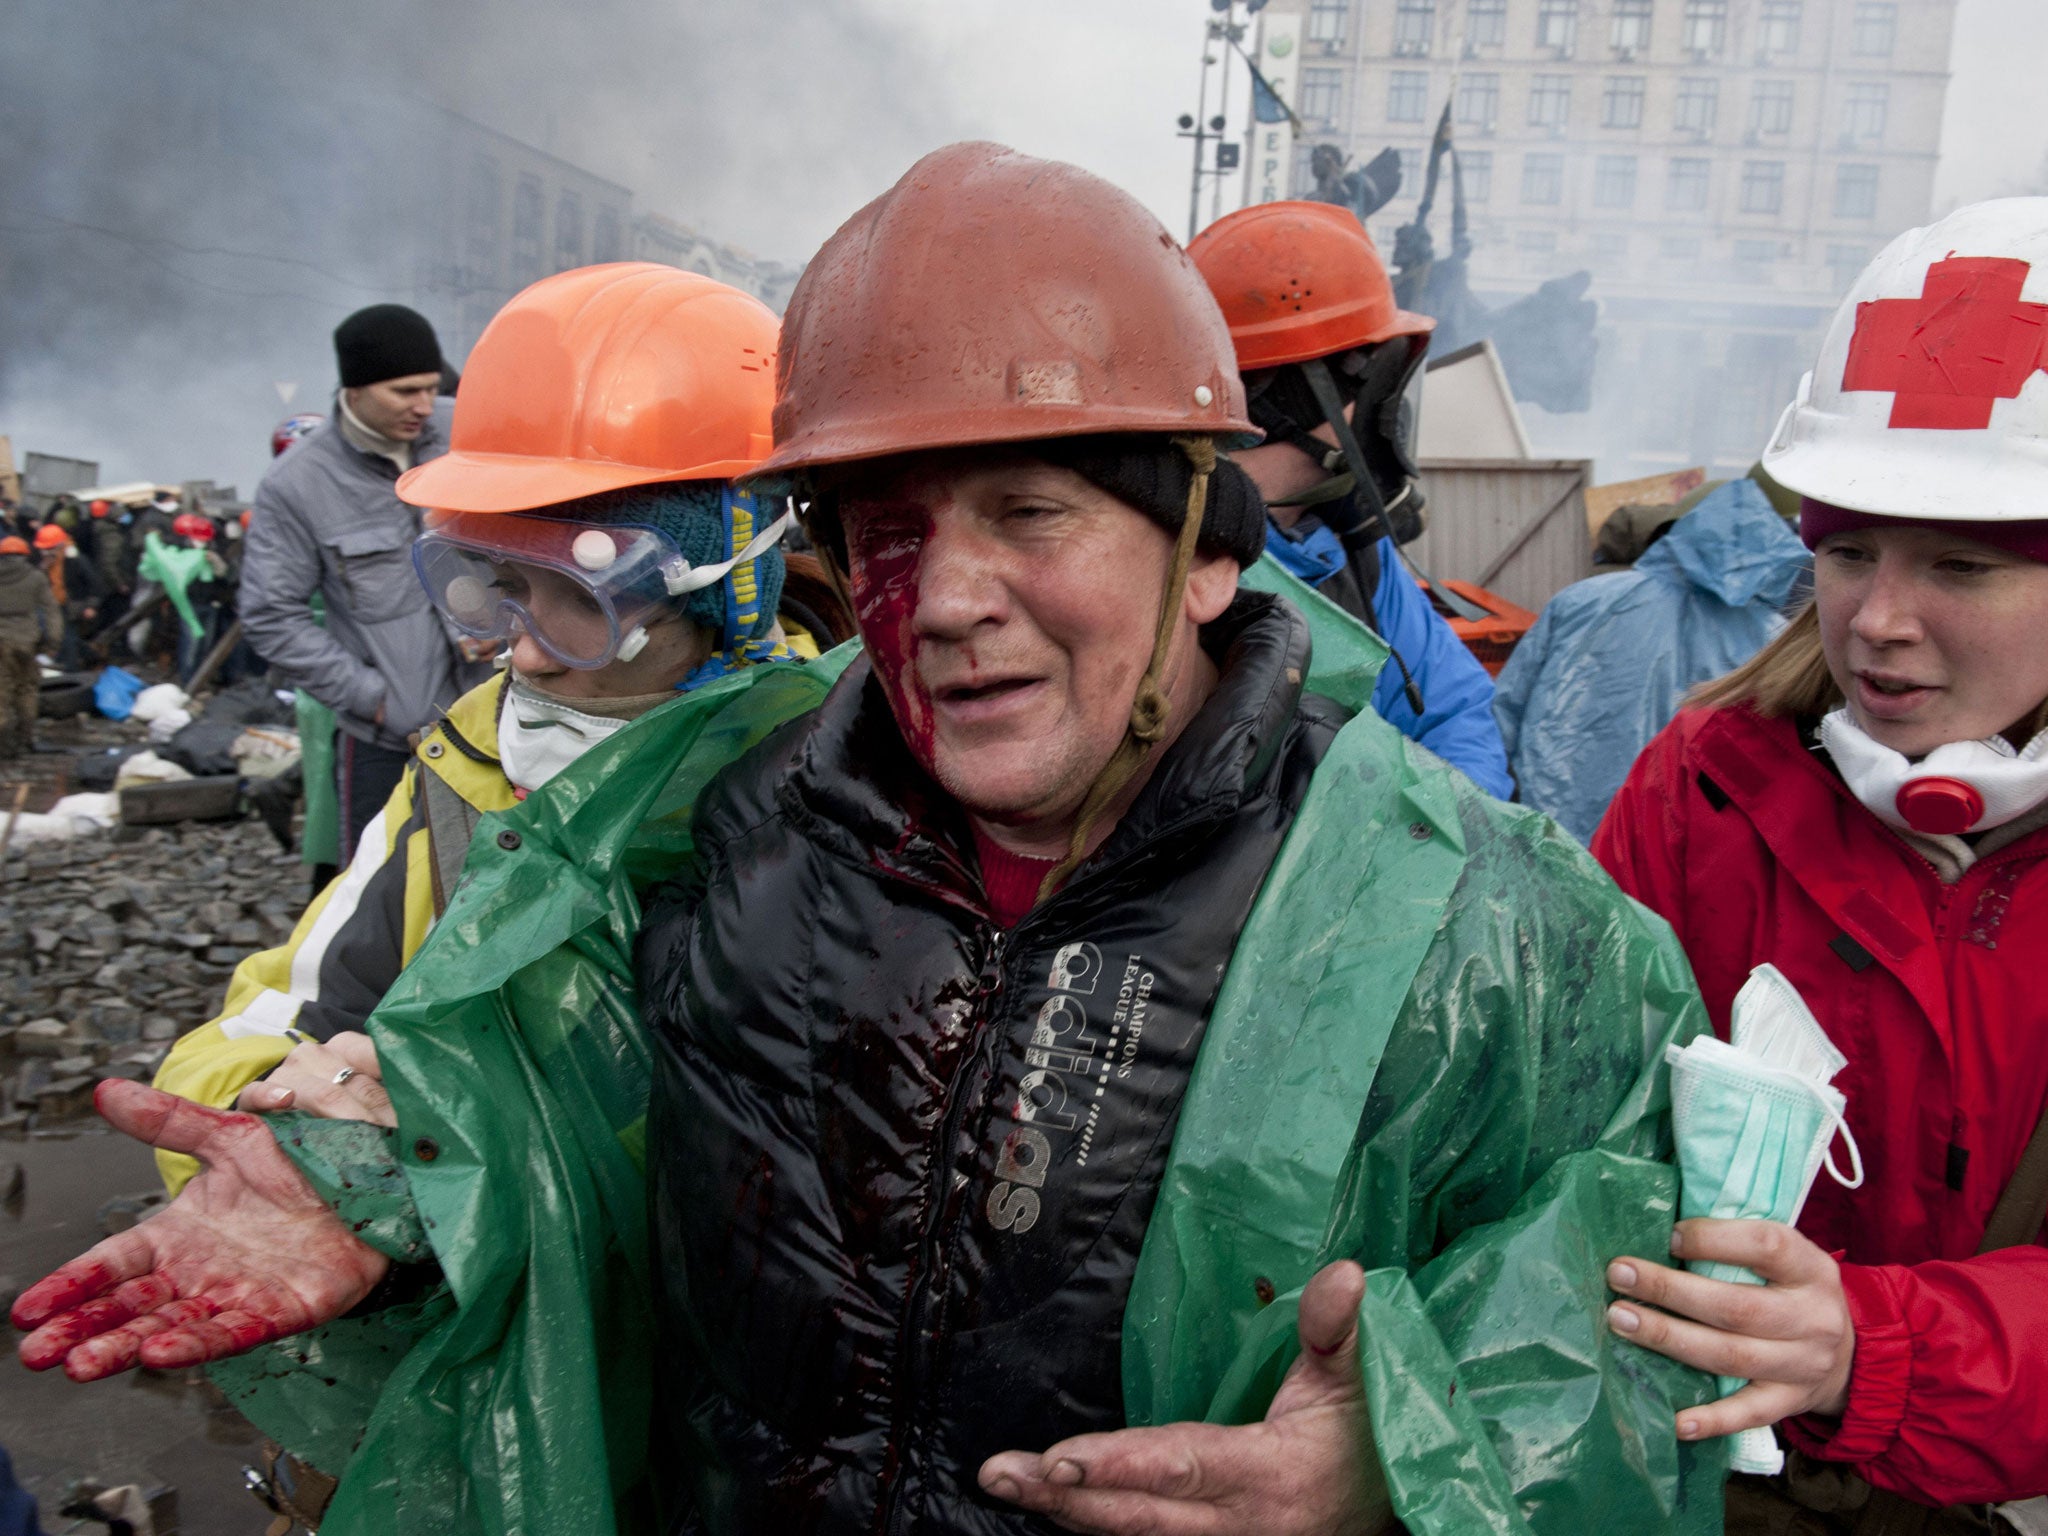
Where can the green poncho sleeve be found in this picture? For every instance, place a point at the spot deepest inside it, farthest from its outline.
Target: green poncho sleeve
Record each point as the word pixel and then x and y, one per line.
pixel 1438 1051
pixel 515 1397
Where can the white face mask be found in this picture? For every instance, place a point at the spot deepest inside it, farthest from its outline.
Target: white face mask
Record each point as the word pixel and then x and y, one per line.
pixel 539 735
pixel 1962 786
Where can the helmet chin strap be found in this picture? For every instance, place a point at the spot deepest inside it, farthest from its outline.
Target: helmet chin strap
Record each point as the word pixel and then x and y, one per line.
pixel 1151 710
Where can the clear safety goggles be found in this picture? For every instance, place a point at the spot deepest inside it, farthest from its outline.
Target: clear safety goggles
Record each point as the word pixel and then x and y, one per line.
pixel 585 594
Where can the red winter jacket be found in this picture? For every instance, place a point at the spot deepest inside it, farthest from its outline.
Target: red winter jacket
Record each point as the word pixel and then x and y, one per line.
pixel 1753 850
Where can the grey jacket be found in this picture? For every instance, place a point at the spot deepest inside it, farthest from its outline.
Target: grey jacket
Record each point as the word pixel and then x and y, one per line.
pixel 29 615
pixel 327 519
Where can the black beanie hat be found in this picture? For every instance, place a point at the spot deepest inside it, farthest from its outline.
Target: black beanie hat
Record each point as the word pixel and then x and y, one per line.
pixel 1152 475
pixel 385 341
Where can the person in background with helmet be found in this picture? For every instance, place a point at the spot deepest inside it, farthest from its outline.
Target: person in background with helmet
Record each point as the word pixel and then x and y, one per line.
pixel 30 622
pixel 1333 371
pixel 999 1096
pixel 294 429
pixel 74 583
pixel 205 596
pixel 328 521
pixel 1864 805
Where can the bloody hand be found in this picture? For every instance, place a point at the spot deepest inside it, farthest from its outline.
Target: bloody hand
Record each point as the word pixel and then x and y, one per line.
pixel 246 1253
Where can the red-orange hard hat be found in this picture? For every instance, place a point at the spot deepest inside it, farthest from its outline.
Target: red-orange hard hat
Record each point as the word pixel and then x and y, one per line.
pixel 1298 281
pixel 13 545
pixel 602 378
pixel 101 508
pixel 990 297
pixel 50 536
pixel 193 525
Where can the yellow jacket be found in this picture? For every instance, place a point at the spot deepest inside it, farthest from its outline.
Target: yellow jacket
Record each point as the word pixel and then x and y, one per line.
pixel 357 935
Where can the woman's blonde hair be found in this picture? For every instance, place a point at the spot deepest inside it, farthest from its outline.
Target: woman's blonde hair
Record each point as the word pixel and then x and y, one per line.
pixel 1790 677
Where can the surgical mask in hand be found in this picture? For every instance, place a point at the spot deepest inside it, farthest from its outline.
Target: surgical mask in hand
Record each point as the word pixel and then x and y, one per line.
pixel 1755 1120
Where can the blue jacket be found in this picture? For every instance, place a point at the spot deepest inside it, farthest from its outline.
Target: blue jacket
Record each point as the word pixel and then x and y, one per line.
pixel 1457 721
pixel 1607 663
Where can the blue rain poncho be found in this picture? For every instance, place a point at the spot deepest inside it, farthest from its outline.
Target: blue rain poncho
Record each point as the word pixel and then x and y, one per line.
pixel 1607 663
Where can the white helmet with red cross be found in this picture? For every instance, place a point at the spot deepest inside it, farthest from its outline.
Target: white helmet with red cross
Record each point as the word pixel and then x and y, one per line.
pixel 1930 399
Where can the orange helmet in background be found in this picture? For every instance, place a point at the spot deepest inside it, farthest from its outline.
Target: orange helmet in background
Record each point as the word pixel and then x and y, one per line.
pixel 101 508
pixel 193 525
pixel 50 536
pixel 602 378
pixel 991 297
pixel 1298 281
pixel 13 545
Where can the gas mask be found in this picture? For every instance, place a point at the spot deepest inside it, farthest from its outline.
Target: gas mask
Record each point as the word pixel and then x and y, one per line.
pixel 1383 387
pixel 1961 786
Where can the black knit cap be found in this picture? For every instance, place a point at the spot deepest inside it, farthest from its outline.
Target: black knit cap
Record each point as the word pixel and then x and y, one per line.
pixel 1152 476
pixel 385 341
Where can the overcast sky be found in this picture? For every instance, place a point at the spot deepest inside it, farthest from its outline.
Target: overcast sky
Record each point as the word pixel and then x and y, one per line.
pixel 1101 82
pixel 762 122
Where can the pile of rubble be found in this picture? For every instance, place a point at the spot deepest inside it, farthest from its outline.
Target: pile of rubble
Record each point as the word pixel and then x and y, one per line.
pixel 112 947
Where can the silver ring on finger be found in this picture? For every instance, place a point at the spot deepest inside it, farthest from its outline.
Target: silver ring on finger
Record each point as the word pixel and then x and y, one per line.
pixel 344 1075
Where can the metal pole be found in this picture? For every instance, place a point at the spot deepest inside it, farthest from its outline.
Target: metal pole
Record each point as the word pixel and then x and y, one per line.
pixel 1201 138
pixel 1223 111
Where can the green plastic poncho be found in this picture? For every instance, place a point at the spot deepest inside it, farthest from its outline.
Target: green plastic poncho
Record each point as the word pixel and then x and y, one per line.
pixel 176 570
pixel 1454 968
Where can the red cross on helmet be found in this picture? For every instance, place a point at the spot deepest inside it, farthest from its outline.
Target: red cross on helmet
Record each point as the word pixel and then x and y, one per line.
pixel 1930 398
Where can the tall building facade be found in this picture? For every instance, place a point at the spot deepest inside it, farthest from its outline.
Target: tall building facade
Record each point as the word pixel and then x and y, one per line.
pixel 1723 168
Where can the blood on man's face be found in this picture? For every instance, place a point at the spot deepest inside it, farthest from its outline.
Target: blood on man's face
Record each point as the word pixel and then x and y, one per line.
pixel 1008 607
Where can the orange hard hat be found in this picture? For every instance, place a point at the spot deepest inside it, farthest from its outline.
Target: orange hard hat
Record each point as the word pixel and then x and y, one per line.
pixel 13 545
pixel 101 508
pixel 50 536
pixel 989 297
pixel 1299 281
pixel 602 378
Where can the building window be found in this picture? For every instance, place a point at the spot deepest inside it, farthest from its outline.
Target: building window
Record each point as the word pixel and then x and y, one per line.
pixel 1631 32
pixel 1326 20
pixel 1479 101
pixel 1407 96
pixel 1610 247
pixel 1475 170
pixel 1536 242
pixel 1874 29
pixel 1845 264
pixel 604 236
pixel 1755 252
pixel 526 232
pixel 1543 179
pixel 1681 247
pixel 1486 23
pixel 1557 25
pixel 1778 26
pixel 486 197
pixel 1686 191
pixel 1414 27
pixel 1621 104
pixel 1763 186
pixel 1699 103
pixel 1770 107
pixel 1706 25
pixel 1550 101
pixel 1856 192
pixel 1321 92
pixel 568 232
pixel 1864 113
pixel 1411 173
pixel 1614 181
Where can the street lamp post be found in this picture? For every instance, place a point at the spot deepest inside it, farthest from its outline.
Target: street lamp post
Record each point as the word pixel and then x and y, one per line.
pixel 1223 28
